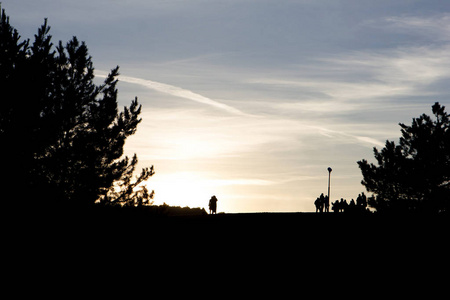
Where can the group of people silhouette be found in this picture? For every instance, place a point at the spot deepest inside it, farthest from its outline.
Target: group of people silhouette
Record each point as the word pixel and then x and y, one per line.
pixel 322 204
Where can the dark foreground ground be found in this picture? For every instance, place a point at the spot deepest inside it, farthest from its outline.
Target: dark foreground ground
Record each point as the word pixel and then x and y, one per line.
pixel 267 228
pixel 298 223
pixel 292 249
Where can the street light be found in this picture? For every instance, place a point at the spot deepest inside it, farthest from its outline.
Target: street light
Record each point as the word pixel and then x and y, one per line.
pixel 329 177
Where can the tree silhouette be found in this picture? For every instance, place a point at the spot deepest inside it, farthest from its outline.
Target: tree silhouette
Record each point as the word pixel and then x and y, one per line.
pixel 414 175
pixel 62 136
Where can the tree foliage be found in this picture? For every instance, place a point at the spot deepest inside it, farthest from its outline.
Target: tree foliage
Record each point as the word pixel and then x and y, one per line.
pixel 62 136
pixel 413 175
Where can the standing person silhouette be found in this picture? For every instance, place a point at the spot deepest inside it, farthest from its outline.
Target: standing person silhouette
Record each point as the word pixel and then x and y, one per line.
pixel 326 203
pixel 318 204
pixel 213 205
pixel 322 202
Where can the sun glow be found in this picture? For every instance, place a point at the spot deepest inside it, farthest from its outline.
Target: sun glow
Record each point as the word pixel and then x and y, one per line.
pixel 182 189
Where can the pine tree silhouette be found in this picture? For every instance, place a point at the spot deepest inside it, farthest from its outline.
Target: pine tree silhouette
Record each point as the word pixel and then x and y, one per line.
pixel 62 136
pixel 415 174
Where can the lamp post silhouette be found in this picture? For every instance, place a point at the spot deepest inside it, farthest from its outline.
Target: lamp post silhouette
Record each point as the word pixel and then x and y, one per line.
pixel 329 178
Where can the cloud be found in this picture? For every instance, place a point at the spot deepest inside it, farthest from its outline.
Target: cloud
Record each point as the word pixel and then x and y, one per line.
pixel 435 26
pixel 408 67
pixel 240 181
pixel 338 88
pixel 361 81
pixel 362 140
pixel 176 91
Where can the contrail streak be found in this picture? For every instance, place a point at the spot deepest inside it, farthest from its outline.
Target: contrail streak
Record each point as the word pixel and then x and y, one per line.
pixel 178 92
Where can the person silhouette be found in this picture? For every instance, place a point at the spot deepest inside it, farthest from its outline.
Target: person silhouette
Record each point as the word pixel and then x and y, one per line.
pixel 326 203
pixel 322 202
pixel 213 205
pixel 319 205
pixel 336 206
pixel 342 205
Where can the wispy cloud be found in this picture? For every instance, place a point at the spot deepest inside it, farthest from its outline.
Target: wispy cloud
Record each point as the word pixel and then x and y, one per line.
pixel 363 140
pixel 176 91
pixel 435 26
pixel 361 81
pixel 408 69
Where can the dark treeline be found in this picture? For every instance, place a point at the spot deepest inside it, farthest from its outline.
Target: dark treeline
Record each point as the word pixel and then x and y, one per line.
pixel 414 175
pixel 62 136
pixel 162 211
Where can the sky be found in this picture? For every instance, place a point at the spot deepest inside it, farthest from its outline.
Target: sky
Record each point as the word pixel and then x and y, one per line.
pixel 252 100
